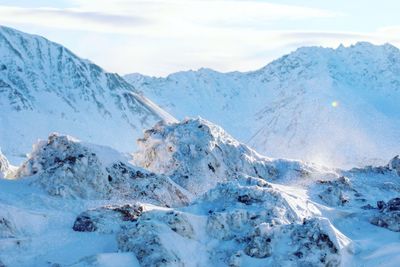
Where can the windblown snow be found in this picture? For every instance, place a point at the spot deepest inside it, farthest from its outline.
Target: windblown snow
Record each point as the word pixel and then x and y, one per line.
pixel 192 195
pixel 338 107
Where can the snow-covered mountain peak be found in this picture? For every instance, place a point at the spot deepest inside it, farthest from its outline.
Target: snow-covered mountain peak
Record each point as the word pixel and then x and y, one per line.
pixel 46 88
pixel 291 106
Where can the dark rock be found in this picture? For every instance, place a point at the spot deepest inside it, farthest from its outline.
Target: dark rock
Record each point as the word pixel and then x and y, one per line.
pixel 381 204
pixel 389 215
pixel 393 204
pixel 259 247
pixel 84 224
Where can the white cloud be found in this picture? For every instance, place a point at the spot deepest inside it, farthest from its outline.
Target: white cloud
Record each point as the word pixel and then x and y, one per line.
pixel 159 37
pixel 122 16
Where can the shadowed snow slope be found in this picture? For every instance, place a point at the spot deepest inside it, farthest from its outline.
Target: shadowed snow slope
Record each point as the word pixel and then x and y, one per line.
pixel 338 107
pixel 205 200
pixel 44 87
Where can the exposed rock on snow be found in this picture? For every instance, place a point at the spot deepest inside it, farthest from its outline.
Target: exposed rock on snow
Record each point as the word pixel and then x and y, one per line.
pixel 197 155
pixel 389 215
pixel 4 165
pixel 66 167
pixel 107 219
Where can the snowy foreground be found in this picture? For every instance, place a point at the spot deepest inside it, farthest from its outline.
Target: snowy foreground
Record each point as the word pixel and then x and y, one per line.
pixel 193 196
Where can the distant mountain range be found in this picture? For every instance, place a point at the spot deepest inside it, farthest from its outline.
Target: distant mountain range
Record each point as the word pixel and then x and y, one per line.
pixel 337 107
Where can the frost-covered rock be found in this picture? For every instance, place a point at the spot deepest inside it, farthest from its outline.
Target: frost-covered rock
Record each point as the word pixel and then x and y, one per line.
pixel 335 192
pixel 148 238
pixel 236 208
pixel 389 215
pixel 394 164
pixel 315 242
pixel 4 165
pixel 66 167
pixel 107 219
pixel 197 155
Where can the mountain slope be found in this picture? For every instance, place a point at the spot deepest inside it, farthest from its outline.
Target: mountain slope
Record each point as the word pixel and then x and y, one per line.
pixel 333 106
pixel 44 87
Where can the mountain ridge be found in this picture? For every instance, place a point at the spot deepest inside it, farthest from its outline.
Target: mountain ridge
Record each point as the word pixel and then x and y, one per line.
pixel 286 108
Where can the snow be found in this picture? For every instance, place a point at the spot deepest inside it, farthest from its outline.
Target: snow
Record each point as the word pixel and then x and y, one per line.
pixel 256 211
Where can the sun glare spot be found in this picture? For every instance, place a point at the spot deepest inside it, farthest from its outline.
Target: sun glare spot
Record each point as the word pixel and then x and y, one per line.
pixel 335 104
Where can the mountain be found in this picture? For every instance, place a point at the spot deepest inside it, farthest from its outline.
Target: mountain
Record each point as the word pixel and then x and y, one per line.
pixel 338 107
pixel 193 196
pixel 46 88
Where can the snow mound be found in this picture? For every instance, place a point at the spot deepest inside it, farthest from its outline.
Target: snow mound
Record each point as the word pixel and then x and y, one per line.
pixel 197 155
pixel 64 166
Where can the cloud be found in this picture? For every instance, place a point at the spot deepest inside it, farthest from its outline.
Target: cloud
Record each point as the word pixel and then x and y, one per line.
pixel 69 18
pixel 158 37
pixel 122 15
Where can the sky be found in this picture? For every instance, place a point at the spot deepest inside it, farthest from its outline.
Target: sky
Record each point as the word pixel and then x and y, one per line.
pixel 159 37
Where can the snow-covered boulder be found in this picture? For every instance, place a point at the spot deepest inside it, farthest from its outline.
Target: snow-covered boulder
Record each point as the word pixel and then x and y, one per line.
pixel 335 192
pixel 389 215
pixel 107 219
pixel 394 164
pixel 63 166
pixel 4 165
pixel 315 242
pixel 151 238
pixel 236 208
pixel 197 155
